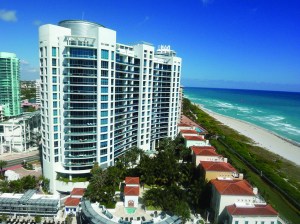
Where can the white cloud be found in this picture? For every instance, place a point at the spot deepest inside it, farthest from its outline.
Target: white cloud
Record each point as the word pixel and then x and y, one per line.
pixel 24 62
pixel 8 15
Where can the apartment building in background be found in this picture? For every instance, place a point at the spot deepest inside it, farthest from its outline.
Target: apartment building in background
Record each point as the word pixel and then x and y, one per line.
pixel 99 98
pixel 10 84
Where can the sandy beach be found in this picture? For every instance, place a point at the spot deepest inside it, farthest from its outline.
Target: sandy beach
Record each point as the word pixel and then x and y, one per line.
pixel 261 137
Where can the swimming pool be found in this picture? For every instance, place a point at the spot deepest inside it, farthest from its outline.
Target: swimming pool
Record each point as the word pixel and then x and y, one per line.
pixel 130 210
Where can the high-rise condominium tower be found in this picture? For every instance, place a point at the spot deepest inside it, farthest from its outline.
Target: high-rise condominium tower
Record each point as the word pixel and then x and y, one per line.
pixel 10 84
pixel 99 98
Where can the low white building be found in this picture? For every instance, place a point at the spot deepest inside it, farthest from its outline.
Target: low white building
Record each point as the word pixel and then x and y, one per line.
pixel 72 203
pixel 228 192
pixel 206 153
pixel 1 113
pixel 195 141
pixel 250 214
pixel 20 133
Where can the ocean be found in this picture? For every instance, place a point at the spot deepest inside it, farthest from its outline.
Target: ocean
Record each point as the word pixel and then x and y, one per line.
pixel 278 112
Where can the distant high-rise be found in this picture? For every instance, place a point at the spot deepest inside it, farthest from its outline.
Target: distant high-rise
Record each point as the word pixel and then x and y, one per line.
pixel 38 91
pixel 99 98
pixel 10 84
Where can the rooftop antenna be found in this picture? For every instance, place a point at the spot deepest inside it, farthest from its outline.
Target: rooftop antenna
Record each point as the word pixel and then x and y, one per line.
pixel 82 16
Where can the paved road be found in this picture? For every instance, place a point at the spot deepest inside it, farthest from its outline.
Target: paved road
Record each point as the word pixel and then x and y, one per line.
pixel 20 160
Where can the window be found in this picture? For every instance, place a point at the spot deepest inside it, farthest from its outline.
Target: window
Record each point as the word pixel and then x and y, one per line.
pixel 54 88
pixel 104 73
pixel 104 113
pixel 104 89
pixel 54 79
pixel 103 152
pixel 104 97
pixel 54 71
pixel 112 55
pixel 103 144
pixel 103 137
pixel 53 51
pixel 53 62
pixel 104 81
pixel 55 136
pixel 104 121
pixel 56 144
pixel 104 64
pixel 56 159
pixel 55 112
pixel 104 105
pixel 103 159
pixel 104 54
pixel 54 96
pixel 55 104
pixel 104 129
pixel 55 120
pixel 55 128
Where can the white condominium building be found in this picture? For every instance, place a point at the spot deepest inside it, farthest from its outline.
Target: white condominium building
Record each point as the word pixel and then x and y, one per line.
pixel 99 98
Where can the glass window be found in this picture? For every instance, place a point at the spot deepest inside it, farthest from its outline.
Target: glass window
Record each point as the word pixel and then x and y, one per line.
pixel 54 112
pixel 55 104
pixel 104 54
pixel 55 128
pixel 56 159
pixel 104 105
pixel 54 96
pixel 55 136
pixel 104 81
pixel 104 121
pixel 54 88
pixel 103 144
pixel 55 120
pixel 104 129
pixel 104 97
pixel 104 113
pixel 53 51
pixel 104 89
pixel 103 159
pixel 53 62
pixel 103 152
pixel 56 144
pixel 104 64
pixel 112 55
pixel 104 73
pixel 54 71
pixel 54 79
pixel 103 137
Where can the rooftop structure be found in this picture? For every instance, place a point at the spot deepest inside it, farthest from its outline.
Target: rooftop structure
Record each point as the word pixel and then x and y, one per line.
pixel 132 180
pixel 99 98
pixel 29 203
pixel 10 84
pixel 234 187
pixel 217 166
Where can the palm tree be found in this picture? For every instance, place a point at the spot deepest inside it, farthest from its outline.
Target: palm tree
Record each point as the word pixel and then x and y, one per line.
pixel 2 164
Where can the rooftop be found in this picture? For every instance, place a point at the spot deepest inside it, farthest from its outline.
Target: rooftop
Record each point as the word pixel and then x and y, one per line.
pixel 194 138
pixel 217 166
pixel 233 187
pixel 78 191
pixel 132 180
pixel 131 191
pixel 253 210
pixel 72 202
pixel 183 131
pixel 204 151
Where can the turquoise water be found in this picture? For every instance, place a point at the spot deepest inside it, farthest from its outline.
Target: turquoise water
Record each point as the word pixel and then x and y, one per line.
pixel 130 210
pixel 278 112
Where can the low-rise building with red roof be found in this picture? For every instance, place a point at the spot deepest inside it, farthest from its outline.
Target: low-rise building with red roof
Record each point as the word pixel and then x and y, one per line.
pixel 205 153
pixel 72 202
pixel 228 192
pixel 195 141
pixel 131 191
pixel 77 192
pixel 249 213
pixel 220 170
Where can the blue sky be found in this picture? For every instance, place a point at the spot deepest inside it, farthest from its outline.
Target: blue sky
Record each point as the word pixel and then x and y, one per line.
pixel 252 44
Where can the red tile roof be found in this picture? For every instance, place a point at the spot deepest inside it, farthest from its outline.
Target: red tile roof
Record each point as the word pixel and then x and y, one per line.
pixel 183 131
pixel 72 202
pixel 78 191
pixel 257 210
pixel 233 187
pixel 217 166
pixel 194 138
pixel 131 191
pixel 184 125
pixel 132 180
pixel 204 150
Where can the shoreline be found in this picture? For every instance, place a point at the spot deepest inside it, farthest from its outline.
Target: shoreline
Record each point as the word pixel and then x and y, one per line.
pixel 261 137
